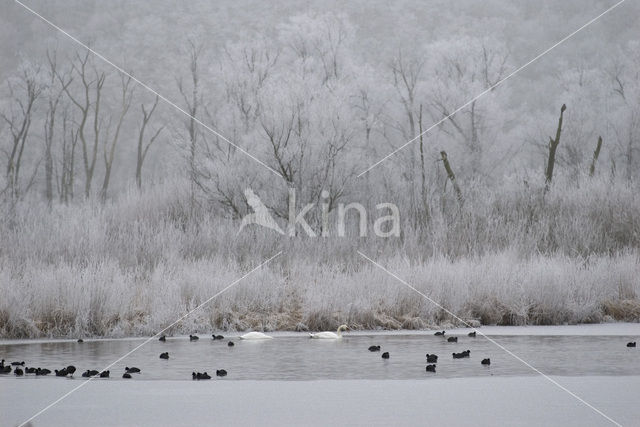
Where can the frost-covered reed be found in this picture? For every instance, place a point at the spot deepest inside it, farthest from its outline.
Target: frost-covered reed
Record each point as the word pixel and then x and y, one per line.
pixel 131 267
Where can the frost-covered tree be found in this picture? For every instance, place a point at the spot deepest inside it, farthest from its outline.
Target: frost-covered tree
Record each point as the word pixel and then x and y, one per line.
pixel 19 114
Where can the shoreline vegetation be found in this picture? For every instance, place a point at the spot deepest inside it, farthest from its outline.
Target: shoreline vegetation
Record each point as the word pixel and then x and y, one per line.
pixel 131 267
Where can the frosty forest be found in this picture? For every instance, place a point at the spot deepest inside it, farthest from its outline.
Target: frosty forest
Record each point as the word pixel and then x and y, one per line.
pixel 119 212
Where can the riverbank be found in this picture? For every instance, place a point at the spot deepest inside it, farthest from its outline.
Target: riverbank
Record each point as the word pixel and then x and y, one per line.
pixel 595 329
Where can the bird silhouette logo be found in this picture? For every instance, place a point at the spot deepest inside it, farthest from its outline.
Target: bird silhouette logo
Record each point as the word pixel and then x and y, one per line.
pixel 260 215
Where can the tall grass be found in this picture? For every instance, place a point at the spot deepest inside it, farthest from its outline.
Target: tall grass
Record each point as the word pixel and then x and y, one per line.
pixel 516 255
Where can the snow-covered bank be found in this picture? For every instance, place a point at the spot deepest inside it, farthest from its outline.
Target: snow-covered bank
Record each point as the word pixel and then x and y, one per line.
pixel 601 329
pixel 491 401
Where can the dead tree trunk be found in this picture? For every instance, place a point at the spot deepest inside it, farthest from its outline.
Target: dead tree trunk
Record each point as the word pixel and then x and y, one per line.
pixel 19 121
pixel 68 148
pixel 596 154
pixel 90 164
pixel 423 187
pixel 110 148
pixel 142 147
pixel 452 176
pixel 54 97
pixel 84 103
pixel 553 146
pixel 192 103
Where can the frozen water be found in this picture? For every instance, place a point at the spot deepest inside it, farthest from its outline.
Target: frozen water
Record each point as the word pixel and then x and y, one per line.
pixel 488 401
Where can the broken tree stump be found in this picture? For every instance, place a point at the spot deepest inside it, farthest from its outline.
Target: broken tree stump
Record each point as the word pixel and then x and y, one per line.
pixel 452 176
pixel 596 154
pixel 553 146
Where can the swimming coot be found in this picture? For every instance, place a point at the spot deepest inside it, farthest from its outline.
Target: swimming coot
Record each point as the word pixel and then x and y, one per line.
pixel 472 334
pixel 43 371
pixel 439 333
pixel 219 337
pixel 132 370
pixel 374 348
pixel 193 338
pixel 432 358
pixel 200 376
pixel 104 374
pixel 486 361
pixel 164 355
pixel 385 355
pixel 221 373
pixel 18 372
pixel 30 370
pixel 80 340
pixel 462 354
pixel 17 363
pixel 162 338
pixel 452 339
pixel 631 344
pixel 71 370
pixel 431 368
pixel 61 373
pixel 126 375
pixel 230 344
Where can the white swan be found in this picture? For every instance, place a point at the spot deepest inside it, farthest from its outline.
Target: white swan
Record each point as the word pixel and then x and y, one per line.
pixel 330 335
pixel 255 336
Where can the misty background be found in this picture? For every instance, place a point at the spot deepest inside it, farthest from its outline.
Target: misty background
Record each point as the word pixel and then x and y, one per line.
pixel 119 213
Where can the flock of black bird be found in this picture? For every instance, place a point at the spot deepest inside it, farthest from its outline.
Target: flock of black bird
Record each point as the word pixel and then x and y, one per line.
pixel 432 359
pixel 18 370
pixel 64 372
pixel 70 370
